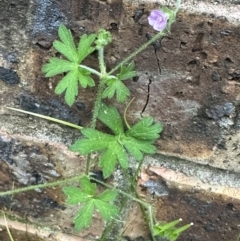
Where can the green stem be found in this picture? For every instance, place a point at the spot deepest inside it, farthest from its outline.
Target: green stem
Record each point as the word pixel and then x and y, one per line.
pixel 47 118
pixel 122 192
pixel 97 102
pixel 125 113
pixel 144 46
pixel 8 231
pixel 147 216
pixel 178 4
pixel 44 185
pixel 61 182
pixel 140 49
pixel 109 226
pixel 101 62
pixel 96 108
pixel 93 71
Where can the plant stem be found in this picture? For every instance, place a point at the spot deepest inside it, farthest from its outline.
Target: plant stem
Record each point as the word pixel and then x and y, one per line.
pixel 101 61
pixel 140 49
pixel 44 185
pixel 122 192
pixel 125 113
pixel 147 217
pixel 144 46
pixel 93 71
pixel 8 231
pixel 100 88
pixel 47 118
pixel 97 102
pixel 177 6
pixel 96 108
pixel 108 228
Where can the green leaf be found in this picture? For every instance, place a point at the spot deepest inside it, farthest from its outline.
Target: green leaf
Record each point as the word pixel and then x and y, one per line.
pixel 175 234
pixel 109 158
pixel 87 195
pixel 137 141
pixel 84 46
pixel 145 129
pixel 137 147
pixel 127 72
pixel 75 74
pixel 108 195
pixel 84 216
pixel 57 66
pixel 69 83
pixel 116 86
pixel 169 230
pixel 84 78
pixel 110 116
pixel 67 46
pixel 96 141
pixel 88 187
pixel 75 195
pixel 108 162
pixel 106 210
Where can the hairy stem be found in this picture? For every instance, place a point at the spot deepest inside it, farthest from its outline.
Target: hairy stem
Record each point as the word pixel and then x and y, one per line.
pixel 101 61
pixel 144 46
pixel 125 113
pixel 93 71
pixel 110 225
pixel 97 102
pixel 146 214
pixel 178 4
pixel 140 49
pixel 44 185
pixel 47 118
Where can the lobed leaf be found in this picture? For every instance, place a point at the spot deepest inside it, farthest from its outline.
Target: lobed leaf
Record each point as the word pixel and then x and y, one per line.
pixel 84 46
pixel 57 66
pixel 108 162
pixel 67 46
pixel 109 158
pixel 84 216
pixel 116 86
pixel 145 129
pixel 111 118
pixel 87 186
pixel 137 141
pixel 106 210
pixel 75 195
pixel 69 83
pixel 97 141
pixel 127 72
pixel 108 195
pixel 84 78
pixel 137 147
pixel 75 74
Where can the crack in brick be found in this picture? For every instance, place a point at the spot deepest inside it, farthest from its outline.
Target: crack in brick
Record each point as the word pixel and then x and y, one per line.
pixel 148 94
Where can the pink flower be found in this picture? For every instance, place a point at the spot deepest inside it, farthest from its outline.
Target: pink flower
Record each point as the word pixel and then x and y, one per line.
pixel 158 20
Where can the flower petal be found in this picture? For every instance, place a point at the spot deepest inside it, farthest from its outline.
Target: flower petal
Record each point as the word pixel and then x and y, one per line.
pixel 156 13
pixel 158 19
pixel 159 26
pixel 151 20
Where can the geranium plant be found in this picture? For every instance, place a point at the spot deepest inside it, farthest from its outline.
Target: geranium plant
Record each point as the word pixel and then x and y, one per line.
pixel 123 140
